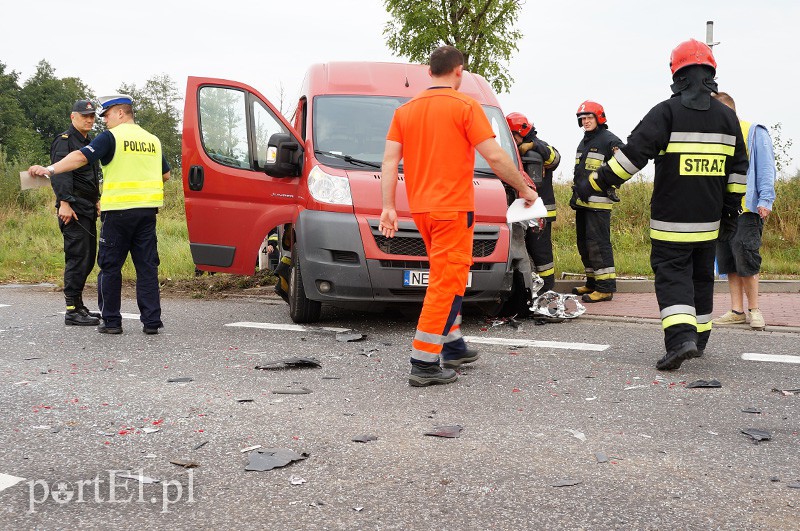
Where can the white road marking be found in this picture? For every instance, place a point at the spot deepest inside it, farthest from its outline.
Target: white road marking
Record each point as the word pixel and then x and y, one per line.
pixel 532 343
pixel 293 327
pixel 7 480
pixel 4 305
pixel 779 358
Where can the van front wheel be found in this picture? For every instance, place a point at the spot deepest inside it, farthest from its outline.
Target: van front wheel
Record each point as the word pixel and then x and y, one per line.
pixel 301 309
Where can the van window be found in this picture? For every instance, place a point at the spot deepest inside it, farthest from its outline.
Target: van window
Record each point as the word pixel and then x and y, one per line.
pixel 223 126
pixel 265 125
pixel 502 135
pixel 353 125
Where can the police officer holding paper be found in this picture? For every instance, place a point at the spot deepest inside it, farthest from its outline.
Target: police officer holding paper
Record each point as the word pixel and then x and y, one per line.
pixel 134 169
pixel 77 195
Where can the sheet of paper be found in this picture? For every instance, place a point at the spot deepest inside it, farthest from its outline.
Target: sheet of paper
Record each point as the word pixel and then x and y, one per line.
pixel 518 212
pixel 27 181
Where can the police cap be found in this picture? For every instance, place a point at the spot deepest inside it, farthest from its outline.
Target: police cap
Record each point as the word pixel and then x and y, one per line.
pixel 84 107
pixel 106 102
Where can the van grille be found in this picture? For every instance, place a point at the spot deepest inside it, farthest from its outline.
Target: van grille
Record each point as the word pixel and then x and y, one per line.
pixel 408 242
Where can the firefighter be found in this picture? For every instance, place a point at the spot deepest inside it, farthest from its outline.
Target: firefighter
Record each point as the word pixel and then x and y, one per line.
pixel 593 212
pixel 538 240
pixel 700 177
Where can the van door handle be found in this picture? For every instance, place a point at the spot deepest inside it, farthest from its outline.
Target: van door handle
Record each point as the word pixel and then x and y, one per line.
pixel 196 178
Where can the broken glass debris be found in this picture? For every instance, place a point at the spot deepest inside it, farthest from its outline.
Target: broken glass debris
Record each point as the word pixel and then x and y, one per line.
pixel 566 483
pixel 269 458
pixel 289 363
pixel 601 457
pixel 758 435
pixel 184 463
pixel 348 337
pixel 296 480
pixel 578 435
pixel 182 379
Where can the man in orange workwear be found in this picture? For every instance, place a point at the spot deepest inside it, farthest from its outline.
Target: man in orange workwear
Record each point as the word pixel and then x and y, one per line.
pixel 436 134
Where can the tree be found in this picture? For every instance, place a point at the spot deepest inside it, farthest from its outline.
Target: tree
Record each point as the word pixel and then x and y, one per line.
pixel 156 106
pixel 18 139
pixel 47 100
pixel 482 29
pixel 781 148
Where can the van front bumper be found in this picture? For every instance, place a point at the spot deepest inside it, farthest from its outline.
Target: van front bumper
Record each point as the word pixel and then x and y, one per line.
pixel 331 250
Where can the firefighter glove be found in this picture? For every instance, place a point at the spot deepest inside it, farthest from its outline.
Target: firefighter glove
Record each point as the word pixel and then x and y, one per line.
pixel 590 186
pixel 731 206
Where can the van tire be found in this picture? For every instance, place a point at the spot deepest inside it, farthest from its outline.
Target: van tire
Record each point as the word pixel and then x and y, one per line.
pixel 301 309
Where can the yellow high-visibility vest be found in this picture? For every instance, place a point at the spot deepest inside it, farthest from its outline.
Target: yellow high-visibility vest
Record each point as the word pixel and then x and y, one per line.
pixel 133 177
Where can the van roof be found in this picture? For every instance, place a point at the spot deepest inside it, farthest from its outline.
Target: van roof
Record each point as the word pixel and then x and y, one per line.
pixel 385 79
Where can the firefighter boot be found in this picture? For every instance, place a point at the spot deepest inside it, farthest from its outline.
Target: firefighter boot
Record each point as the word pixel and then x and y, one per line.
pixel 424 374
pixel 76 317
pixel 82 308
pixel 455 353
pixel 597 296
pixel 582 290
pixel 673 358
pixel 283 271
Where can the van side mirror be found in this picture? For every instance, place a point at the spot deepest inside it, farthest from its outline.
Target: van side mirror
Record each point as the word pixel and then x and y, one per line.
pixel 283 156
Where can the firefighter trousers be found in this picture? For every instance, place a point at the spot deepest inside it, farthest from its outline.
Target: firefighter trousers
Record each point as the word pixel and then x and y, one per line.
pixel 593 235
pixel 448 241
pixel 684 282
pixel 540 249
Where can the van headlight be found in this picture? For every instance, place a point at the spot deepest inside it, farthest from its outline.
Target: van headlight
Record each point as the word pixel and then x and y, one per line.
pixel 327 188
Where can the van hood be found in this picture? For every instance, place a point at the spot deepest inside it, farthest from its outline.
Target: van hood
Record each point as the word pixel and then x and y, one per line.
pixel 365 188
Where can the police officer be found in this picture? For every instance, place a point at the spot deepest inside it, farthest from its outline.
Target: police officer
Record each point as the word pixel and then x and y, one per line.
pixel 700 177
pixel 539 159
pixel 77 194
pixel 593 212
pixel 134 169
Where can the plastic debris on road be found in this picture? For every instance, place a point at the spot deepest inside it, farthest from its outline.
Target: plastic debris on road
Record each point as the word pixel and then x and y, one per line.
pixel 348 337
pixel 181 379
pixel 450 432
pixel 566 483
pixel 554 305
pixel 365 438
pixel 578 435
pixel 289 363
pixel 601 457
pixel 757 435
pixel 296 480
pixel 704 384
pixel 292 391
pixel 269 458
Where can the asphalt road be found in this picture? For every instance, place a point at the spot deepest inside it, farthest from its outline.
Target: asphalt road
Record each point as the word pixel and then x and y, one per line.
pixel 75 403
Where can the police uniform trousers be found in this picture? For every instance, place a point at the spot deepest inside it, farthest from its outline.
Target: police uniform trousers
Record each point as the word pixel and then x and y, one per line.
pixel 80 251
pixel 129 231
pixel 684 282
pixel 593 235
pixel 448 241
pixel 540 249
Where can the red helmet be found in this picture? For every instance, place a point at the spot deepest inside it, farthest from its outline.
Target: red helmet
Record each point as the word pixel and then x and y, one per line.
pixel 591 107
pixel 691 52
pixel 519 124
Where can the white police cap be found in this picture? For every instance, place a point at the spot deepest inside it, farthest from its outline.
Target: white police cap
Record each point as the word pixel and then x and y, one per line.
pixel 106 102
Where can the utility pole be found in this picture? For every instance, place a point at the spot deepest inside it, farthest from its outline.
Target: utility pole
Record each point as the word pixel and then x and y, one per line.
pixel 710 34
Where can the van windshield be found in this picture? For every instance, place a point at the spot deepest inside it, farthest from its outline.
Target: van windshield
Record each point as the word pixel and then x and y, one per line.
pixel 355 127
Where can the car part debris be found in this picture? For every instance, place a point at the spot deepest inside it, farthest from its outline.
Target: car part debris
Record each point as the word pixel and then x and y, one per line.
pixel 704 384
pixel 349 337
pixel 536 282
pixel 241 400
pixel 296 480
pixel 446 431
pixel 269 458
pixel 289 363
pixel 556 305
pixel 365 438
pixel 578 435
pixel 758 435
pixel 184 463
pixel 292 391
pixel 566 483
pixel 752 410
pixel 182 379
pixel 250 448
pixel 601 457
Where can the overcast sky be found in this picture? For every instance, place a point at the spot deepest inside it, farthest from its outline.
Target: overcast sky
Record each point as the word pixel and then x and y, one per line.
pixel 614 52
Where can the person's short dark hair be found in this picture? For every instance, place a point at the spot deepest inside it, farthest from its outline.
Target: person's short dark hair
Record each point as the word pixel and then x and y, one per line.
pixel 445 59
pixel 725 98
pixel 127 109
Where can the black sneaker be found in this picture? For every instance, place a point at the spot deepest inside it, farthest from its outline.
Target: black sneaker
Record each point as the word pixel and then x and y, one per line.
pixel 672 360
pixel 451 361
pixel 103 329
pixel 150 331
pixel 422 376
pixel 78 318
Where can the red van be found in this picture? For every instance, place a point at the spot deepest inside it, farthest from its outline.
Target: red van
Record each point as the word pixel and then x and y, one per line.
pixel 248 171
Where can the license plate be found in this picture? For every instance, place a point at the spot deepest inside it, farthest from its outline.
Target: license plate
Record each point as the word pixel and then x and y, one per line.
pixel 414 278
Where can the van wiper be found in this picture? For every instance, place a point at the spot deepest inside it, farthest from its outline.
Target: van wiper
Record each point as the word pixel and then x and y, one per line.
pixel 348 158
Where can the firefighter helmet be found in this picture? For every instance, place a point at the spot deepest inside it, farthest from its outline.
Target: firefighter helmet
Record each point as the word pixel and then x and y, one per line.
pixel 691 52
pixel 591 107
pixel 519 124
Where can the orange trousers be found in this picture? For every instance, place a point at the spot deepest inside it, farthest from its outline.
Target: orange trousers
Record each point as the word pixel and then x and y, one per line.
pixel 448 240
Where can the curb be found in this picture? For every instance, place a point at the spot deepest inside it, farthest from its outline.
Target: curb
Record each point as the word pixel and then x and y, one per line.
pixel 648 286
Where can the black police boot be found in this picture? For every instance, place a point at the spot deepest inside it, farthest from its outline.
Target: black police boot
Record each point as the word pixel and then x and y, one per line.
pixel 424 374
pixel 76 317
pixel 456 353
pixel 672 359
